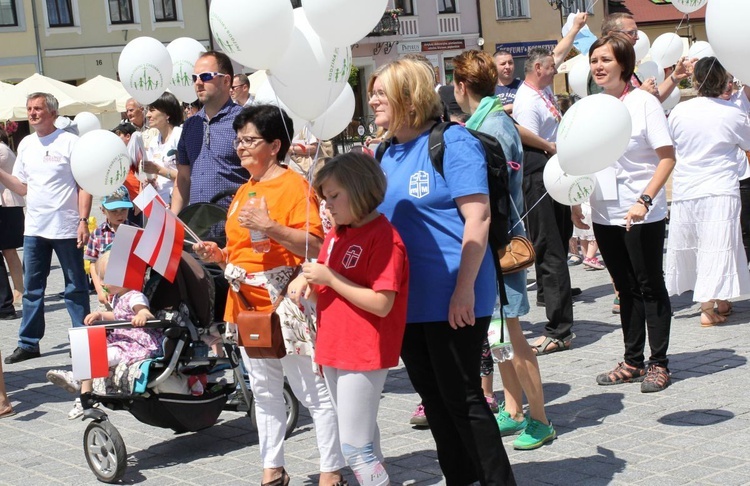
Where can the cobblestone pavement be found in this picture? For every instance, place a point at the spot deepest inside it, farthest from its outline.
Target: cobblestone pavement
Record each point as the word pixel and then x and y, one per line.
pixel 695 431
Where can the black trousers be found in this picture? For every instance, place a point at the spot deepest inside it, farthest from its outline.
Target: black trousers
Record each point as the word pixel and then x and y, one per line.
pixel 6 291
pixel 443 365
pixel 634 259
pixel 549 227
pixel 745 215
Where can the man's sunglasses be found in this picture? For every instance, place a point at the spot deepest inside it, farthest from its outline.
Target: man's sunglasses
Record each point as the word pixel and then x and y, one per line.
pixel 206 77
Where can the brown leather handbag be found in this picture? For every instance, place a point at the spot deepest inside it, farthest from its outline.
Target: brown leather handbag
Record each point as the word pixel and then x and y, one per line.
pixel 519 255
pixel 260 332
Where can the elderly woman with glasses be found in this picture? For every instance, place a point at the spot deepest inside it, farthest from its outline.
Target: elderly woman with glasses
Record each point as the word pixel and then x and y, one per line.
pixel 288 215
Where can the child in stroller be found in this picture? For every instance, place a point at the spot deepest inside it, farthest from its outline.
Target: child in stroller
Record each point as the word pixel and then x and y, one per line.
pixel 124 345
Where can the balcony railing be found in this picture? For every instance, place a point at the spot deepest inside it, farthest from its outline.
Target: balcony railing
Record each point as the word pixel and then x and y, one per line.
pixel 409 26
pixel 388 24
pixel 449 24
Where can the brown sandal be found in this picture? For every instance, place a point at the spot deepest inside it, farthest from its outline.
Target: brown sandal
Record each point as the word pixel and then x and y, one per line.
pixel 711 318
pixel 728 310
pixel 559 345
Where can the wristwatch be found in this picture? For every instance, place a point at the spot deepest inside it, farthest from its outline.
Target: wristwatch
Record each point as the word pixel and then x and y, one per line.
pixel 647 199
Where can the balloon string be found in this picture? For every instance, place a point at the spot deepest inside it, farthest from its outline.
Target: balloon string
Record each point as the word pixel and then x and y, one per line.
pixel 528 211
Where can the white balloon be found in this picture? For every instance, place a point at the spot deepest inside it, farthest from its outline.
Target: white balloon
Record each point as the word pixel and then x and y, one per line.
pixel 254 33
pixel 145 69
pixel 593 133
pixel 700 49
pixel 642 46
pixel 99 162
pixel 672 100
pixel 184 52
pixel 688 6
pixel 344 22
pixel 729 35
pixel 578 78
pixel 565 188
pixel 312 73
pixel 667 49
pixel 336 118
pixel 86 122
pixel 650 69
pixel 265 95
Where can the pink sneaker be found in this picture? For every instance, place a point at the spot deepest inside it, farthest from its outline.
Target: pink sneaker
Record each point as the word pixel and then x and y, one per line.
pixel 419 419
pixel 594 263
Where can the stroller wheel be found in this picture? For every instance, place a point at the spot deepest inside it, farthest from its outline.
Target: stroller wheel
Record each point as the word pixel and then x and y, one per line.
pixel 105 451
pixel 292 411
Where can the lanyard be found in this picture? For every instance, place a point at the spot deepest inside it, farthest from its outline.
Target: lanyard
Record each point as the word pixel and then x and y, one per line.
pixel 551 105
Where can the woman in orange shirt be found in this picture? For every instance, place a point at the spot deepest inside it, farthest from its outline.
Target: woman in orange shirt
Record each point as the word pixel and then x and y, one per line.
pixel 288 215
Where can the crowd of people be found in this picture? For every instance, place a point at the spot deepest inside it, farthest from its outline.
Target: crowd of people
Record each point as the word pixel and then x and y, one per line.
pixel 368 261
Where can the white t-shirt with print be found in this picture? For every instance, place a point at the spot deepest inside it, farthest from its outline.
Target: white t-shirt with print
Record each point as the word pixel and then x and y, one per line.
pixel 708 133
pixel 637 165
pixel 531 111
pixel 164 154
pixel 43 164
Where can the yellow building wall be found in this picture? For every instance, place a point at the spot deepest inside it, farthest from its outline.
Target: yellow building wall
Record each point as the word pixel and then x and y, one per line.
pixel 18 54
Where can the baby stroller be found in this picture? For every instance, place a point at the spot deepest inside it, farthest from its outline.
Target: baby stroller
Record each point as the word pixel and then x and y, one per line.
pixel 156 391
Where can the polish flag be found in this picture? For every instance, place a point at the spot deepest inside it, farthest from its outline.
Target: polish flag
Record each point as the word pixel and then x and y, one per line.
pixel 125 269
pixel 88 350
pixel 145 199
pixel 161 243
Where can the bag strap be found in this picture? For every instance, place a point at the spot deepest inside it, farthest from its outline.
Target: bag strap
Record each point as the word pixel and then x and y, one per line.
pixel 276 304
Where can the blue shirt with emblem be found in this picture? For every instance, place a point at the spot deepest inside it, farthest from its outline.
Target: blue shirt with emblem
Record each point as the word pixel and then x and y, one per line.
pixel 420 203
pixel 206 146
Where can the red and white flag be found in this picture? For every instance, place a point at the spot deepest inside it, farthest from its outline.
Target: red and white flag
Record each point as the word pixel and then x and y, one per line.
pixel 88 351
pixel 125 269
pixel 144 200
pixel 161 243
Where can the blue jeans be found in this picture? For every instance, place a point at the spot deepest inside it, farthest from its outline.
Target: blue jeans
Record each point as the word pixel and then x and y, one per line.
pixel 37 260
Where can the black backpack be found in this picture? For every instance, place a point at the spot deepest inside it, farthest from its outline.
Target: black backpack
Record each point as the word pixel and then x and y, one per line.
pixel 497 180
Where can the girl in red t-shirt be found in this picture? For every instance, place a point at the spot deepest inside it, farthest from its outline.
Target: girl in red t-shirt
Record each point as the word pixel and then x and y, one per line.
pixel 360 283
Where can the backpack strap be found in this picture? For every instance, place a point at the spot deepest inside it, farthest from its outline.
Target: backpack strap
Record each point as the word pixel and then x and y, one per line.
pixel 382 147
pixel 436 145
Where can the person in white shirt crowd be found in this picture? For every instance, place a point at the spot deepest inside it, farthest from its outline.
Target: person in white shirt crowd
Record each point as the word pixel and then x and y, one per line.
pixel 240 90
pixel 630 229
pixel 57 212
pixel 705 252
pixel 11 220
pixel 164 115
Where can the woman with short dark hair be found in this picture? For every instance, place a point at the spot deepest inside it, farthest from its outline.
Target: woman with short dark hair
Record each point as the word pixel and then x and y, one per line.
pixel 165 115
pixel 630 229
pixel 705 251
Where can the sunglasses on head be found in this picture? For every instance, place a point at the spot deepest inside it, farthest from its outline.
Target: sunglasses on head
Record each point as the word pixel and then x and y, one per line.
pixel 207 76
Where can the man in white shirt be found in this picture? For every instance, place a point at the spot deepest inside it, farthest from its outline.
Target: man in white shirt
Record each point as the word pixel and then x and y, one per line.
pixel 240 90
pixel 57 213
pixel 549 223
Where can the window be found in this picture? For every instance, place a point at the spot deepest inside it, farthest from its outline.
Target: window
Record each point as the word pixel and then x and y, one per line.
pixel 59 13
pixel 165 10
pixel 8 16
pixel 406 6
pixel 121 11
pixel 573 6
pixel 511 9
pixel 446 6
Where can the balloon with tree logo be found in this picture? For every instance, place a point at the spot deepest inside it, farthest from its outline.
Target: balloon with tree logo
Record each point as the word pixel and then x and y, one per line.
pixel 729 35
pixel 101 171
pixel 565 188
pixel 145 69
pixel 344 22
pixel 312 72
pixel 255 33
pixel 336 118
pixel 593 133
pixel 86 121
pixel 688 6
pixel 184 52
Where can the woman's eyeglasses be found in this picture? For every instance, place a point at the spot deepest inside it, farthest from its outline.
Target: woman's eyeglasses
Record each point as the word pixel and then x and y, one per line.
pixel 249 142
pixel 379 95
pixel 207 76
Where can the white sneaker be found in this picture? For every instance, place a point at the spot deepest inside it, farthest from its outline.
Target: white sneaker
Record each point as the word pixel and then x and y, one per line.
pixel 76 411
pixel 64 379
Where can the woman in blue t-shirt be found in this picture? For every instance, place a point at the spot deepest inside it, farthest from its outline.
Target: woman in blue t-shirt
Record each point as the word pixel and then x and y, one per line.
pixel 444 223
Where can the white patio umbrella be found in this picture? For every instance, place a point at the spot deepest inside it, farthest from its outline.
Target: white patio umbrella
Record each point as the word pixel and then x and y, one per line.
pixel 72 99
pixel 104 86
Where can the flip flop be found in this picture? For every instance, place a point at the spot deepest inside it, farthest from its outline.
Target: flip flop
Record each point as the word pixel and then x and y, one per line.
pixel 8 414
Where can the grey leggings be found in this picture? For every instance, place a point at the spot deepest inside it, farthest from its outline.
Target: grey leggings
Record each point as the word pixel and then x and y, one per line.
pixel 356 397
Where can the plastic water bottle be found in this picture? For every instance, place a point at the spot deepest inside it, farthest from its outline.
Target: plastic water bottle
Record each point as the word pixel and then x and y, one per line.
pixel 260 241
pixel 498 337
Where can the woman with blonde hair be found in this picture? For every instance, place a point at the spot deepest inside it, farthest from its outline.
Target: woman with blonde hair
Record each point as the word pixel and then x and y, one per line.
pixel 444 222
